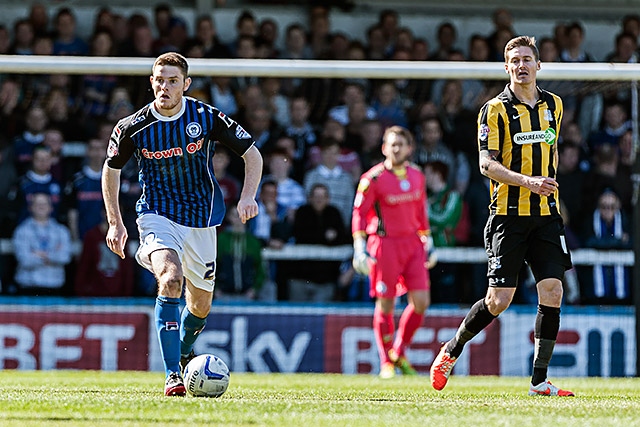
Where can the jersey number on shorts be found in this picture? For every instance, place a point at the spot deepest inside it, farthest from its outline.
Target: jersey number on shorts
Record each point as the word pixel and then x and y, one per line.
pixel 208 275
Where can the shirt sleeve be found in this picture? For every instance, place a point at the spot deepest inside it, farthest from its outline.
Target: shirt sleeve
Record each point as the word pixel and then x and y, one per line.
pixel 365 197
pixel 120 148
pixel 230 133
pixel 488 128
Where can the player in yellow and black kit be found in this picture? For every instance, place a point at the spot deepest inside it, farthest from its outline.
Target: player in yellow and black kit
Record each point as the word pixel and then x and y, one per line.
pixel 517 137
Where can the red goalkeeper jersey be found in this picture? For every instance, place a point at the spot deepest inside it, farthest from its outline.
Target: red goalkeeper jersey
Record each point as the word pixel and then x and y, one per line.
pixel 391 204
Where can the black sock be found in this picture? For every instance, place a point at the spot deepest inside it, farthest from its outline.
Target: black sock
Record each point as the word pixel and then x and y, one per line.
pixel 545 334
pixel 475 321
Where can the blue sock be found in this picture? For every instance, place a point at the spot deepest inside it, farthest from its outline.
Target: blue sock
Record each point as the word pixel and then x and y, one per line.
pixel 190 327
pixel 168 327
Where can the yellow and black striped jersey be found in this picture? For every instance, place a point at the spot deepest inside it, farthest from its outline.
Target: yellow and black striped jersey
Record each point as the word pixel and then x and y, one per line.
pixel 525 138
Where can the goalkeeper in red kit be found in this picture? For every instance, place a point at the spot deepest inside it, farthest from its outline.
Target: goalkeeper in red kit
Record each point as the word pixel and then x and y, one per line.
pixel 392 244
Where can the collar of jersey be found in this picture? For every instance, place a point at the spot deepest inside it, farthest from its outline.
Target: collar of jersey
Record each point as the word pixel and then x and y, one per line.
pixel 170 118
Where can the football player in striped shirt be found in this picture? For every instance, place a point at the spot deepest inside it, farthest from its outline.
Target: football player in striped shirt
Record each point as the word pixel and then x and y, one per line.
pixel 173 140
pixel 517 137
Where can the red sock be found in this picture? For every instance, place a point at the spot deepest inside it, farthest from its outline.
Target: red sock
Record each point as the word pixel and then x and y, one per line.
pixel 383 329
pixel 409 323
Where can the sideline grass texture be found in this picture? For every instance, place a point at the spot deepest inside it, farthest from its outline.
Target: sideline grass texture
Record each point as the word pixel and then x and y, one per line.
pixel 90 398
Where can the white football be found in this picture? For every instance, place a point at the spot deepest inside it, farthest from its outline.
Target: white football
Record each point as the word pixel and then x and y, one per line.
pixel 206 376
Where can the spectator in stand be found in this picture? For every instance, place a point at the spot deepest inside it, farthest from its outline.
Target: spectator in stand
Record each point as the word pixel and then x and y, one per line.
pixel 120 104
pixel 229 185
pixel 63 116
pixel 404 39
pixel 626 154
pixel 349 159
pixel 302 132
pixel 498 42
pixel 62 167
pixel 23 37
pixel 97 88
pixel 502 23
pixel 606 174
pixel 11 112
pixel 39 18
pixel 570 178
pixel 245 49
pixel 8 180
pixel 371 153
pixel 290 192
pixel 120 32
pixel 607 229
pixel 271 225
pixel 207 36
pixel 139 44
pixel 5 40
pixel 104 21
pixel 83 194
pixel 574 50
pixel 218 92
pixel 240 270
pixel 549 51
pixel 458 128
pixel 318 37
pixel 446 36
pixel 431 147
pixel 626 50
pixel 177 36
pixel 36 180
pixel 479 51
pixel 338 46
pixel 66 41
pixel 296 46
pixel 388 105
pixel 631 24
pixel 477 198
pixel 262 127
pixel 276 100
pixel 615 123
pixel 268 39
pixel 246 25
pixel 35 122
pixel 411 91
pixel 376 43
pixel 445 212
pixel 37 86
pixel 100 272
pixel 389 21
pixel 334 178
pixel 42 248
pixel 317 223
pixel 351 93
pixel 162 14
pixel 471 88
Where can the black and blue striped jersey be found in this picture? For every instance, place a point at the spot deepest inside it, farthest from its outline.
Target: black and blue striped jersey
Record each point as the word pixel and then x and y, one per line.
pixel 174 160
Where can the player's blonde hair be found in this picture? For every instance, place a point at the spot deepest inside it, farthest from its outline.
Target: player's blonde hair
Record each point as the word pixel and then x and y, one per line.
pixel 399 130
pixel 522 41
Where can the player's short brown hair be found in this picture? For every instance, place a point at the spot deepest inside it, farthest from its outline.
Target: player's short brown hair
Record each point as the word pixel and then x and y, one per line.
pixel 522 41
pixel 173 59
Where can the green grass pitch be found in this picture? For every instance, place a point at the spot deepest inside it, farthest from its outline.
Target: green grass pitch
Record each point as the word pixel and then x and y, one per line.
pixel 89 398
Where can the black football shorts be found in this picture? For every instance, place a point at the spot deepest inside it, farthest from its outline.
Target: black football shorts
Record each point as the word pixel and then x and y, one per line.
pixel 537 240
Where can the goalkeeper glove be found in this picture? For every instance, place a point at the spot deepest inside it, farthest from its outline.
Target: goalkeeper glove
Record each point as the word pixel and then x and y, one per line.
pixel 430 250
pixel 361 257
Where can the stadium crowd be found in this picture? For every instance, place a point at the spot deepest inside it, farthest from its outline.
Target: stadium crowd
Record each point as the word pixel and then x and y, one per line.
pixel 317 135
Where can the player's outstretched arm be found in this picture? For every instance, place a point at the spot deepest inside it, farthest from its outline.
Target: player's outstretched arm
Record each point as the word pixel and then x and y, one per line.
pixel 247 205
pixel 117 232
